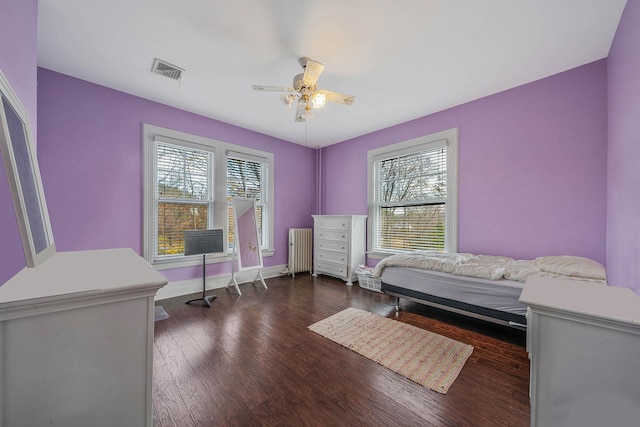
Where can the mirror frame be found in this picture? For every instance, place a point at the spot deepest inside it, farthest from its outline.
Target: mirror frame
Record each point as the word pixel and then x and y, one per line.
pixel 23 176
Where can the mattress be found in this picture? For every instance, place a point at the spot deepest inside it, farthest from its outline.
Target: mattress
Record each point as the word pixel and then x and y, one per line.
pixel 496 296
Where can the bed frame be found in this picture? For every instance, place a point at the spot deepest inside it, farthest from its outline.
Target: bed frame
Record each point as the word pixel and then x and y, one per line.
pixel 488 314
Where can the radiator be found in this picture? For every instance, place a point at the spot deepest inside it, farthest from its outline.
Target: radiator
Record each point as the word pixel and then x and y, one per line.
pixel 299 250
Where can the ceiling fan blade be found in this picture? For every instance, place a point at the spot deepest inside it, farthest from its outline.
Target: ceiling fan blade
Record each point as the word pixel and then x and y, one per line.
pixel 339 98
pixel 312 72
pixel 302 114
pixel 273 88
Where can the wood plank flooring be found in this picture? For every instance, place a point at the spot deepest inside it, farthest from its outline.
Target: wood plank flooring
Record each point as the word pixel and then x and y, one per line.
pixel 251 361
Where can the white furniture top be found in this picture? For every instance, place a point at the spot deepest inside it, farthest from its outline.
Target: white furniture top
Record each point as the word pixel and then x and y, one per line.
pixel 586 299
pixel 78 275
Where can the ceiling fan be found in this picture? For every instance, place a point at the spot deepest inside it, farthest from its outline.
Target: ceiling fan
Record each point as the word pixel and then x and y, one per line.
pixel 305 91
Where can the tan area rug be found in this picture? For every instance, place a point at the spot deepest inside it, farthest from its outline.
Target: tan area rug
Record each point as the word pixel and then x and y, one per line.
pixel 427 358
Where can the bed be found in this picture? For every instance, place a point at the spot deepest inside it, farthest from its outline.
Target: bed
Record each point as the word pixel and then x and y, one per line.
pixel 481 286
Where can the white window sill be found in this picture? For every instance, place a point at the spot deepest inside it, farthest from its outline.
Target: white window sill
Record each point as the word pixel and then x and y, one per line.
pixel 191 260
pixel 383 255
pixel 379 255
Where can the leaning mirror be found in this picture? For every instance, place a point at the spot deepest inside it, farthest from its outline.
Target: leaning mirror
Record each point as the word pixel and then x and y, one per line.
pixel 247 239
pixel 23 175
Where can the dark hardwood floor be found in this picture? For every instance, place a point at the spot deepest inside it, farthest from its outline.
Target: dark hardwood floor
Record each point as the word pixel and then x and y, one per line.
pixel 251 361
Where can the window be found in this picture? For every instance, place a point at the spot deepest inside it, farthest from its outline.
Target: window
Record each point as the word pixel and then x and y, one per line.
pixel 412 195
pixel 189 182
pixel 184 199
pixel 248 177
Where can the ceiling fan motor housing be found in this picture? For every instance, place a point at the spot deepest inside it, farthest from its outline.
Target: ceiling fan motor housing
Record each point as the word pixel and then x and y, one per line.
pixel 303 61
pixel 299 86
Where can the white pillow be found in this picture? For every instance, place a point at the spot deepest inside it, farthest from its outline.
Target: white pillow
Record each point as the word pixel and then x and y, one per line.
pixel 574 266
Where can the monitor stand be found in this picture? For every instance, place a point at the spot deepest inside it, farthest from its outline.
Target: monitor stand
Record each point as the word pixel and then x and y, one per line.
pixel 205 298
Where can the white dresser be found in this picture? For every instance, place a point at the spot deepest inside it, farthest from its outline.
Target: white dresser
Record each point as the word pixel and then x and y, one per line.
pixel 339 245
pixel 584 344
pixel 76 341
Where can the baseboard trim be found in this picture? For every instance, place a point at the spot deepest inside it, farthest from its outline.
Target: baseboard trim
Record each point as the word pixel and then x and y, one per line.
pixel 192 286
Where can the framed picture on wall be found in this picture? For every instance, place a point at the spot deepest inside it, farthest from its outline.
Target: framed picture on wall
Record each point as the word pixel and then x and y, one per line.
pixel 23 175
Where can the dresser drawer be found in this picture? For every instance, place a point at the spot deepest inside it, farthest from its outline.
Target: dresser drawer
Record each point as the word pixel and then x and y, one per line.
pixel 331 235
pixel 332 224
pixel 332 269
pixel 332 245
pixel 335 257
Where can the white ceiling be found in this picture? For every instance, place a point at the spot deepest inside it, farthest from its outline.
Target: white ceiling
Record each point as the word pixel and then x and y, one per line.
pixel 401 59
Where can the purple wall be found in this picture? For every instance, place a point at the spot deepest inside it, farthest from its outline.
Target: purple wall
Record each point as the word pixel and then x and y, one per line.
pixel 90 146
pixel 18 62
pixel 623 182
pixel 532 167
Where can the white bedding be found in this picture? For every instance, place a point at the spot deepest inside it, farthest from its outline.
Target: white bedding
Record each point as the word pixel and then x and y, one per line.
pixel 497 267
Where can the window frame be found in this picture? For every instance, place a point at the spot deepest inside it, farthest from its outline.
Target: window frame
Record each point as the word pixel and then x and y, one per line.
pixel 220 152
pixel 265 200
pixel 448 138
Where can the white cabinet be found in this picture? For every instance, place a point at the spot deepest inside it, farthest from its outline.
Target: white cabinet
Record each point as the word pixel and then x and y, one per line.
pixel 339 245
pixel 584 344
pixel 76 341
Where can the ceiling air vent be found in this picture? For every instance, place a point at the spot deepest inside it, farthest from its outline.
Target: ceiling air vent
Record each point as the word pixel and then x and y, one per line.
pixel 166 69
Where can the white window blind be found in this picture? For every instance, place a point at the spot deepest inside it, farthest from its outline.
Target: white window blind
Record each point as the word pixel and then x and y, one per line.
pixel 183 196
pixel 410 195
pixel 412 191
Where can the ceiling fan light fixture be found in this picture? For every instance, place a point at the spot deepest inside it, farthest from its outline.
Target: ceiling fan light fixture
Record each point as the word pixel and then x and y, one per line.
pixel 308 113
pixel 304 110
pixel 287 100
pixel 318 100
